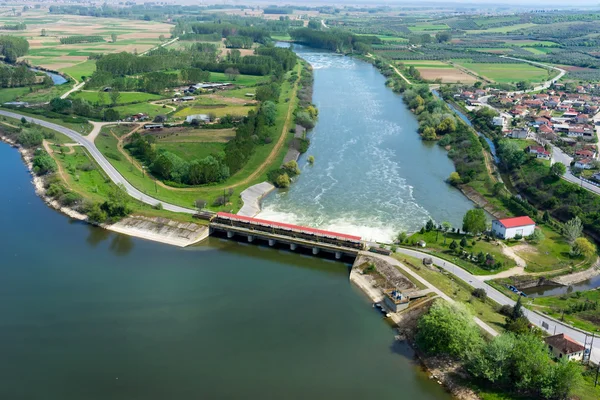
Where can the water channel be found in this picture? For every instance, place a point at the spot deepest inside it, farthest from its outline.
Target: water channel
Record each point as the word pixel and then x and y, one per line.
pixel 373 176
pixel 88 314
pixel 56 78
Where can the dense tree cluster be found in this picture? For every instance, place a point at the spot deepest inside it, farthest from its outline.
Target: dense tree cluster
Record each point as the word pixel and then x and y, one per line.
pixel 517 362
pixel 16 76
pixel 334 40
pixel 19 26
pixel 13 47
pixel 81 39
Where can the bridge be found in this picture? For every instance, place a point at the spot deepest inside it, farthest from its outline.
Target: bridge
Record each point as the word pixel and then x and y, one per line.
pixel 274 233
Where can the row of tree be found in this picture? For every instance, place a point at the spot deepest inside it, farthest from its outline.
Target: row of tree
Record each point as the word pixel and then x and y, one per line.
pixel 13 47
pixel 16 76
pixel 81 39
pixel 334 40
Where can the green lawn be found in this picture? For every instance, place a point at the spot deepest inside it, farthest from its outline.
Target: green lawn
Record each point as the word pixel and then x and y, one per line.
pixel 147 108
pixel 218 111
pixel 443 251
pixel 554 306
pixel 284 38
pixel 245 80
pixel 239 93
pixel 507 73
pixel 126 97
pixel 457 290
pixel 190 151
pixel 11 94
pixel 86 68
pixel 502 29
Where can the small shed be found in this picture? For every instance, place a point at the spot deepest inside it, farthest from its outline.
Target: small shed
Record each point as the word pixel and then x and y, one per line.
pixel 395 301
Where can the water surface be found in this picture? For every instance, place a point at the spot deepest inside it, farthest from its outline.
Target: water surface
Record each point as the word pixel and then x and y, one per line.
pixel 373 176
pixel 88 314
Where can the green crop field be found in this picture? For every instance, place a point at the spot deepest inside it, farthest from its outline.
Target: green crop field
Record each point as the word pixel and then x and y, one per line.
pixel 425 27
pixel 218 111
pixel 246 80
pixel 502 29
pixel 85 68
pixel 150 109
pixel 126 97
pixel 506 73
pixel 190 151
pixel 426 64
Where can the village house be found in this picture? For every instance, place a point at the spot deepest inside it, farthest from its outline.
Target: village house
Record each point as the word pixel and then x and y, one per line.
pixel 585 153
pixel 539 151
pixel 562 346
pixel 508 228
pixel 582 119
pixel 519 133
pixel 545 129
pixel 584 163
pixel 138 117
pixel 498 121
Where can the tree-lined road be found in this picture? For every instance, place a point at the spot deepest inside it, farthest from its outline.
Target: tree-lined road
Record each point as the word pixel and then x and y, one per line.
pixel 545 323
pixel 111 171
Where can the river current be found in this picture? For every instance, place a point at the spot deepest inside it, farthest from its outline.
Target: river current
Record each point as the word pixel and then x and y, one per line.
pixel 372 176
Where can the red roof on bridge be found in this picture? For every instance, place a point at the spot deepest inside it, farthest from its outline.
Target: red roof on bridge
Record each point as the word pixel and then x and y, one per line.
pixel 288 226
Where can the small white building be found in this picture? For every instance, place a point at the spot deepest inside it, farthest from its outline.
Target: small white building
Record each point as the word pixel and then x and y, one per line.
pixel 562 346
pixel 584 163
pixel 498 121
pixel 508 228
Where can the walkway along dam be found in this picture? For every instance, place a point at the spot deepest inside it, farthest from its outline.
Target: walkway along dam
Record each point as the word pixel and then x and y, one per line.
pixel 294 236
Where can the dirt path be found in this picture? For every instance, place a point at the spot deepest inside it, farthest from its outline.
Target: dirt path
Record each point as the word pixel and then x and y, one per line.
pixel 394 68
pixel 518 270
pixel 49 150
pixel 160 103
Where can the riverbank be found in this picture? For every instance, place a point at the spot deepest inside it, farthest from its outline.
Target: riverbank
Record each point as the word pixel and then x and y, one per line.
pixel 441 370
pixel 156 229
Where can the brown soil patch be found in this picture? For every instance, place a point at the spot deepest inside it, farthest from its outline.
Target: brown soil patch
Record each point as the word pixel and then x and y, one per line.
pixel 187 135
pixel 230 100
pixel 243 52
pixel 448 75
pixel 58 66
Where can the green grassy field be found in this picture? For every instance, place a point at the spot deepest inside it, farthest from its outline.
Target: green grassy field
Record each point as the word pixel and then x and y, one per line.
pixel 126 97
pixel 507 73
pixel 218 111
pixel 426 64
pixel 245 80
pixel 426 27
pixel 151 109
pixel 86 68
pixel 457 290
pixel 502 29
pixel 555 305
pixel 442 250
pixel 190 151
pixel 11 94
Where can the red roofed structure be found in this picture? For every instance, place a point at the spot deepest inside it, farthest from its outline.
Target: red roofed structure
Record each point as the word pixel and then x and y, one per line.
pixel 290 227
pixel 508 228
pixel 562 345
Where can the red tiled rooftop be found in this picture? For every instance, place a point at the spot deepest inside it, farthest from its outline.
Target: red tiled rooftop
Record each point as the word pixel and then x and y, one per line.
pixel 516 221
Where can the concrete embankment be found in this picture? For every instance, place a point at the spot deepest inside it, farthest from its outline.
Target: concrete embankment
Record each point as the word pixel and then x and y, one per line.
pixel 252 197
pixel 578 276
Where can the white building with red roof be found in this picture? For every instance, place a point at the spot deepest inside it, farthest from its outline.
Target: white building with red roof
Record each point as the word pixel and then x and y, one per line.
pixel 563 346
pixel 508 228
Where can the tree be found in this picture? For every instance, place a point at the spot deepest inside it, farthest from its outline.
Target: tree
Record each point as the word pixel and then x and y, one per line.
pixel 511 154
pixel 546 217
pixel 537 236
pixel 446 226
pixel 530 363
pixel 493 362
pixel 454 179
pixel 113 37
pixel 232 73
pixel 269 110
pixel 448 329
pixel 111 114
pixel 60 105
pixel 291 168
pixel 480 293
pixel 463 242
pixel 429 226
pixel 101 97
pixel 558 169
pixel 453 245
pixel 311 160
pixel 443 37
pixel 572 230
pixel 564 376
pixel 43 32
pixel 474 221
pixel 161 38
pixel 117 202
pixel 583 247
pixel 401 237
pixel 200 203
pixel 96 213
pixel 283 181
pixel 429 134
pixel 115 95
pixel 517 311
pixel 518 326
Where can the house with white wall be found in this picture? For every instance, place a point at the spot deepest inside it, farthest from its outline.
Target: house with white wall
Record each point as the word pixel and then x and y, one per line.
pixel 562 346
pixel 508 228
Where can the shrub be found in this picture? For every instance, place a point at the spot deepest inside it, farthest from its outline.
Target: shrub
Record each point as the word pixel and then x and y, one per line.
pixel 480 293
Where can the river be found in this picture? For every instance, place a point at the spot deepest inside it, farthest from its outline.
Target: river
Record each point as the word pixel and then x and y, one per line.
pixel 89 314
pixel 373 175
pixel 56 78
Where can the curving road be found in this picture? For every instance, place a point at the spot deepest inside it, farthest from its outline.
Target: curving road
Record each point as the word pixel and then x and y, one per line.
pixel 112 173
pixel 547 324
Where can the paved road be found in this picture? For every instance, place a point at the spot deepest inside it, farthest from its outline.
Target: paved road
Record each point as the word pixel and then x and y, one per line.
pixel 546 84
pixel 547 324
pixel 112 173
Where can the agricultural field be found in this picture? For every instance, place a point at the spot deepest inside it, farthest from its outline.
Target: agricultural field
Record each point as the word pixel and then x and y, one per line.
pixel 218 110
pixel 432 70
pixel 427 27
pixel 48 52
pixel 190 151
pixel 125 98
pixel 77 71
pixel 501 29
pixel 507 73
